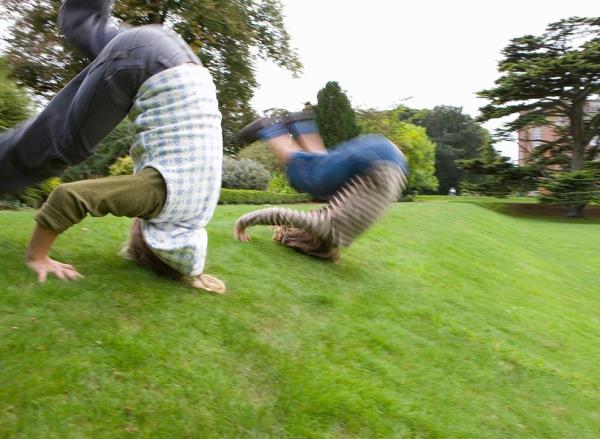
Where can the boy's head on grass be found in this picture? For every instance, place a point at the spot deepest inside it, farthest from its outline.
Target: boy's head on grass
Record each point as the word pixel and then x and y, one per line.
pixel 304 242
pixel 138 251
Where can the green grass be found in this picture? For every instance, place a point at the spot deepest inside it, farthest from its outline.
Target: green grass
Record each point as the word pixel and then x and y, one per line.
pixel 445 320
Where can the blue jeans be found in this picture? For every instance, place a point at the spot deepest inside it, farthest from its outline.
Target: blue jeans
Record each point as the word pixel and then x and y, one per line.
pixel 68 130
pixel 322 175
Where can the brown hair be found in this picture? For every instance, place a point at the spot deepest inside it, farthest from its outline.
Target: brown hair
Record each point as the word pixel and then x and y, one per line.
pixel 304 242
pixel 138 251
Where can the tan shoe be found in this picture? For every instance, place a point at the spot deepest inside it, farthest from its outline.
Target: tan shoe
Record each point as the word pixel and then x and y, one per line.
pixel 209 283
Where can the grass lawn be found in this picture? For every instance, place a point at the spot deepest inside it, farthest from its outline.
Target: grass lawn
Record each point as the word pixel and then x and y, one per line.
pixel 445 320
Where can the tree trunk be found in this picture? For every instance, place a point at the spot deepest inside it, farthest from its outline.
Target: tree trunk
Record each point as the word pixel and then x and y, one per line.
pixel 577 151
pixel 156 15
pixel 575 211
pixel 578 135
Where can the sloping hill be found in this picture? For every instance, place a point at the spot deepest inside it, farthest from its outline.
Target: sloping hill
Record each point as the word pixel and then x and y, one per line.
pixel 445 320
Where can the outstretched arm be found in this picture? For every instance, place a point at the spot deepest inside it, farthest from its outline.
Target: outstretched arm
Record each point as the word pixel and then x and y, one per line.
pixel 37 256
pixel 141 195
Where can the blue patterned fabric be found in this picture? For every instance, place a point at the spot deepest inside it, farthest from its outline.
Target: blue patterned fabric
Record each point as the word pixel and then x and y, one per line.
pixel 178 133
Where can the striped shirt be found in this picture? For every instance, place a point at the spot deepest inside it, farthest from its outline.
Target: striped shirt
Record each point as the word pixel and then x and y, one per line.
pixel 178 133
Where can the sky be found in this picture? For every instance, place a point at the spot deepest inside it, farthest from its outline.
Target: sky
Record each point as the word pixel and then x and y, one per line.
pixel 418 53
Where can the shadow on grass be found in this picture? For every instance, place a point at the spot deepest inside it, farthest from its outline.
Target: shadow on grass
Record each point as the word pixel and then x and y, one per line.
pixel 543 212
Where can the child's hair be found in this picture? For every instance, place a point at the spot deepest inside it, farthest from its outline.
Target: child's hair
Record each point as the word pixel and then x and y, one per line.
pixel 304 242
pixel 138 251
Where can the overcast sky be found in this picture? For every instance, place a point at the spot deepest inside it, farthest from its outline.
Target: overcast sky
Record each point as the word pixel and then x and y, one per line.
pixel 421 53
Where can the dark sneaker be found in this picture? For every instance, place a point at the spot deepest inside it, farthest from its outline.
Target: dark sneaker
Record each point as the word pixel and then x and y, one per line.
pixel 299 116
pixel 264 128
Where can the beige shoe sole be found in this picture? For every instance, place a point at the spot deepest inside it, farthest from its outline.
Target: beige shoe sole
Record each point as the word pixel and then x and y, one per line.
pixel 208 283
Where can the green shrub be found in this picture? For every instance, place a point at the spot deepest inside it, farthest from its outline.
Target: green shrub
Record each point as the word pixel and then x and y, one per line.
pixel 279 184
pixel 123 166
pixel 244 174
pixel 116 145
pixel 35 196
pixel 260 152
pixel 237 196
pixel 47 186
pixel 15 104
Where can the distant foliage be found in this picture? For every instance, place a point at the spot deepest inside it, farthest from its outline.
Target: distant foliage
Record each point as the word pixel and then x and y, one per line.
pixel 261 152
pixel 35 196
pixel 457 137
pixel 494 175
pixel 279 184
pixel 15 105
pixel 335 117
pixel 116 145
pixel 412 141
pixel 123 166
pixel 244 174
pixel 241 196
pixel 574 189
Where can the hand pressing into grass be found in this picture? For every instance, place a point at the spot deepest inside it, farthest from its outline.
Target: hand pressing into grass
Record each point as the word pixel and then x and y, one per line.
pixel 45 266
pixel 37 257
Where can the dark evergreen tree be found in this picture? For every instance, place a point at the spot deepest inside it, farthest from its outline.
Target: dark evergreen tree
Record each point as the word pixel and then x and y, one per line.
pixel 574 189
pixel 457 137
pixel 493 174
pixel 335 117
pixel 546 81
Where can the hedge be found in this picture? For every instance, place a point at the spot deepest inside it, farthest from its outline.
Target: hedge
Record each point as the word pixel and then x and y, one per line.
pixel 240 196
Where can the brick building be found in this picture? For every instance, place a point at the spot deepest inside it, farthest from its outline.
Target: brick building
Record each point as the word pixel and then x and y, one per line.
pixel 533 137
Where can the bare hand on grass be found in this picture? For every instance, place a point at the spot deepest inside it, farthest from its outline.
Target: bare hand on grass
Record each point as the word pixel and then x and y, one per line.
pixel 45 266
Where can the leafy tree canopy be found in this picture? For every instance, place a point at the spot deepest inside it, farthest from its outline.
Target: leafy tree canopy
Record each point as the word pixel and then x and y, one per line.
pixel 411 139
pixel 457 137
pixel 15 105
pixel 229 36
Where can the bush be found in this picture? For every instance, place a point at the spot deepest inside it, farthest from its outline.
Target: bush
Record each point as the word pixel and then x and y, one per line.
pixel 15 105
pixel 116 145
pixel 244 174
pixel 123 166
pixel 237 196
pixel 35 196
pixel 280 185
pixel 260 152
pixel 47 186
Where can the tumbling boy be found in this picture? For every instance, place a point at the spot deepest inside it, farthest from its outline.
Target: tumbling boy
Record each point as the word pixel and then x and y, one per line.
pixel 149 74
pixel 360 178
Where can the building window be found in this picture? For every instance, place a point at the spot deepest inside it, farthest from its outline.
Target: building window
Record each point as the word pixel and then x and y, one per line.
pixel 537 136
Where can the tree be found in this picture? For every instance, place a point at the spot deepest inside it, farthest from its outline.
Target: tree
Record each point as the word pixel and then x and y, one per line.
pixel 15 105
pixel 573 189
pixel 546 81
pixel 411 139
pixel 335 117
pixel 113 147
pixel 457 137
pixel 229 36
pixel 492 174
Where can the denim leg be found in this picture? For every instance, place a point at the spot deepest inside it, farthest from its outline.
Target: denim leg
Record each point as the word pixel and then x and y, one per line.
pixel 88 108
pixel 322 175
